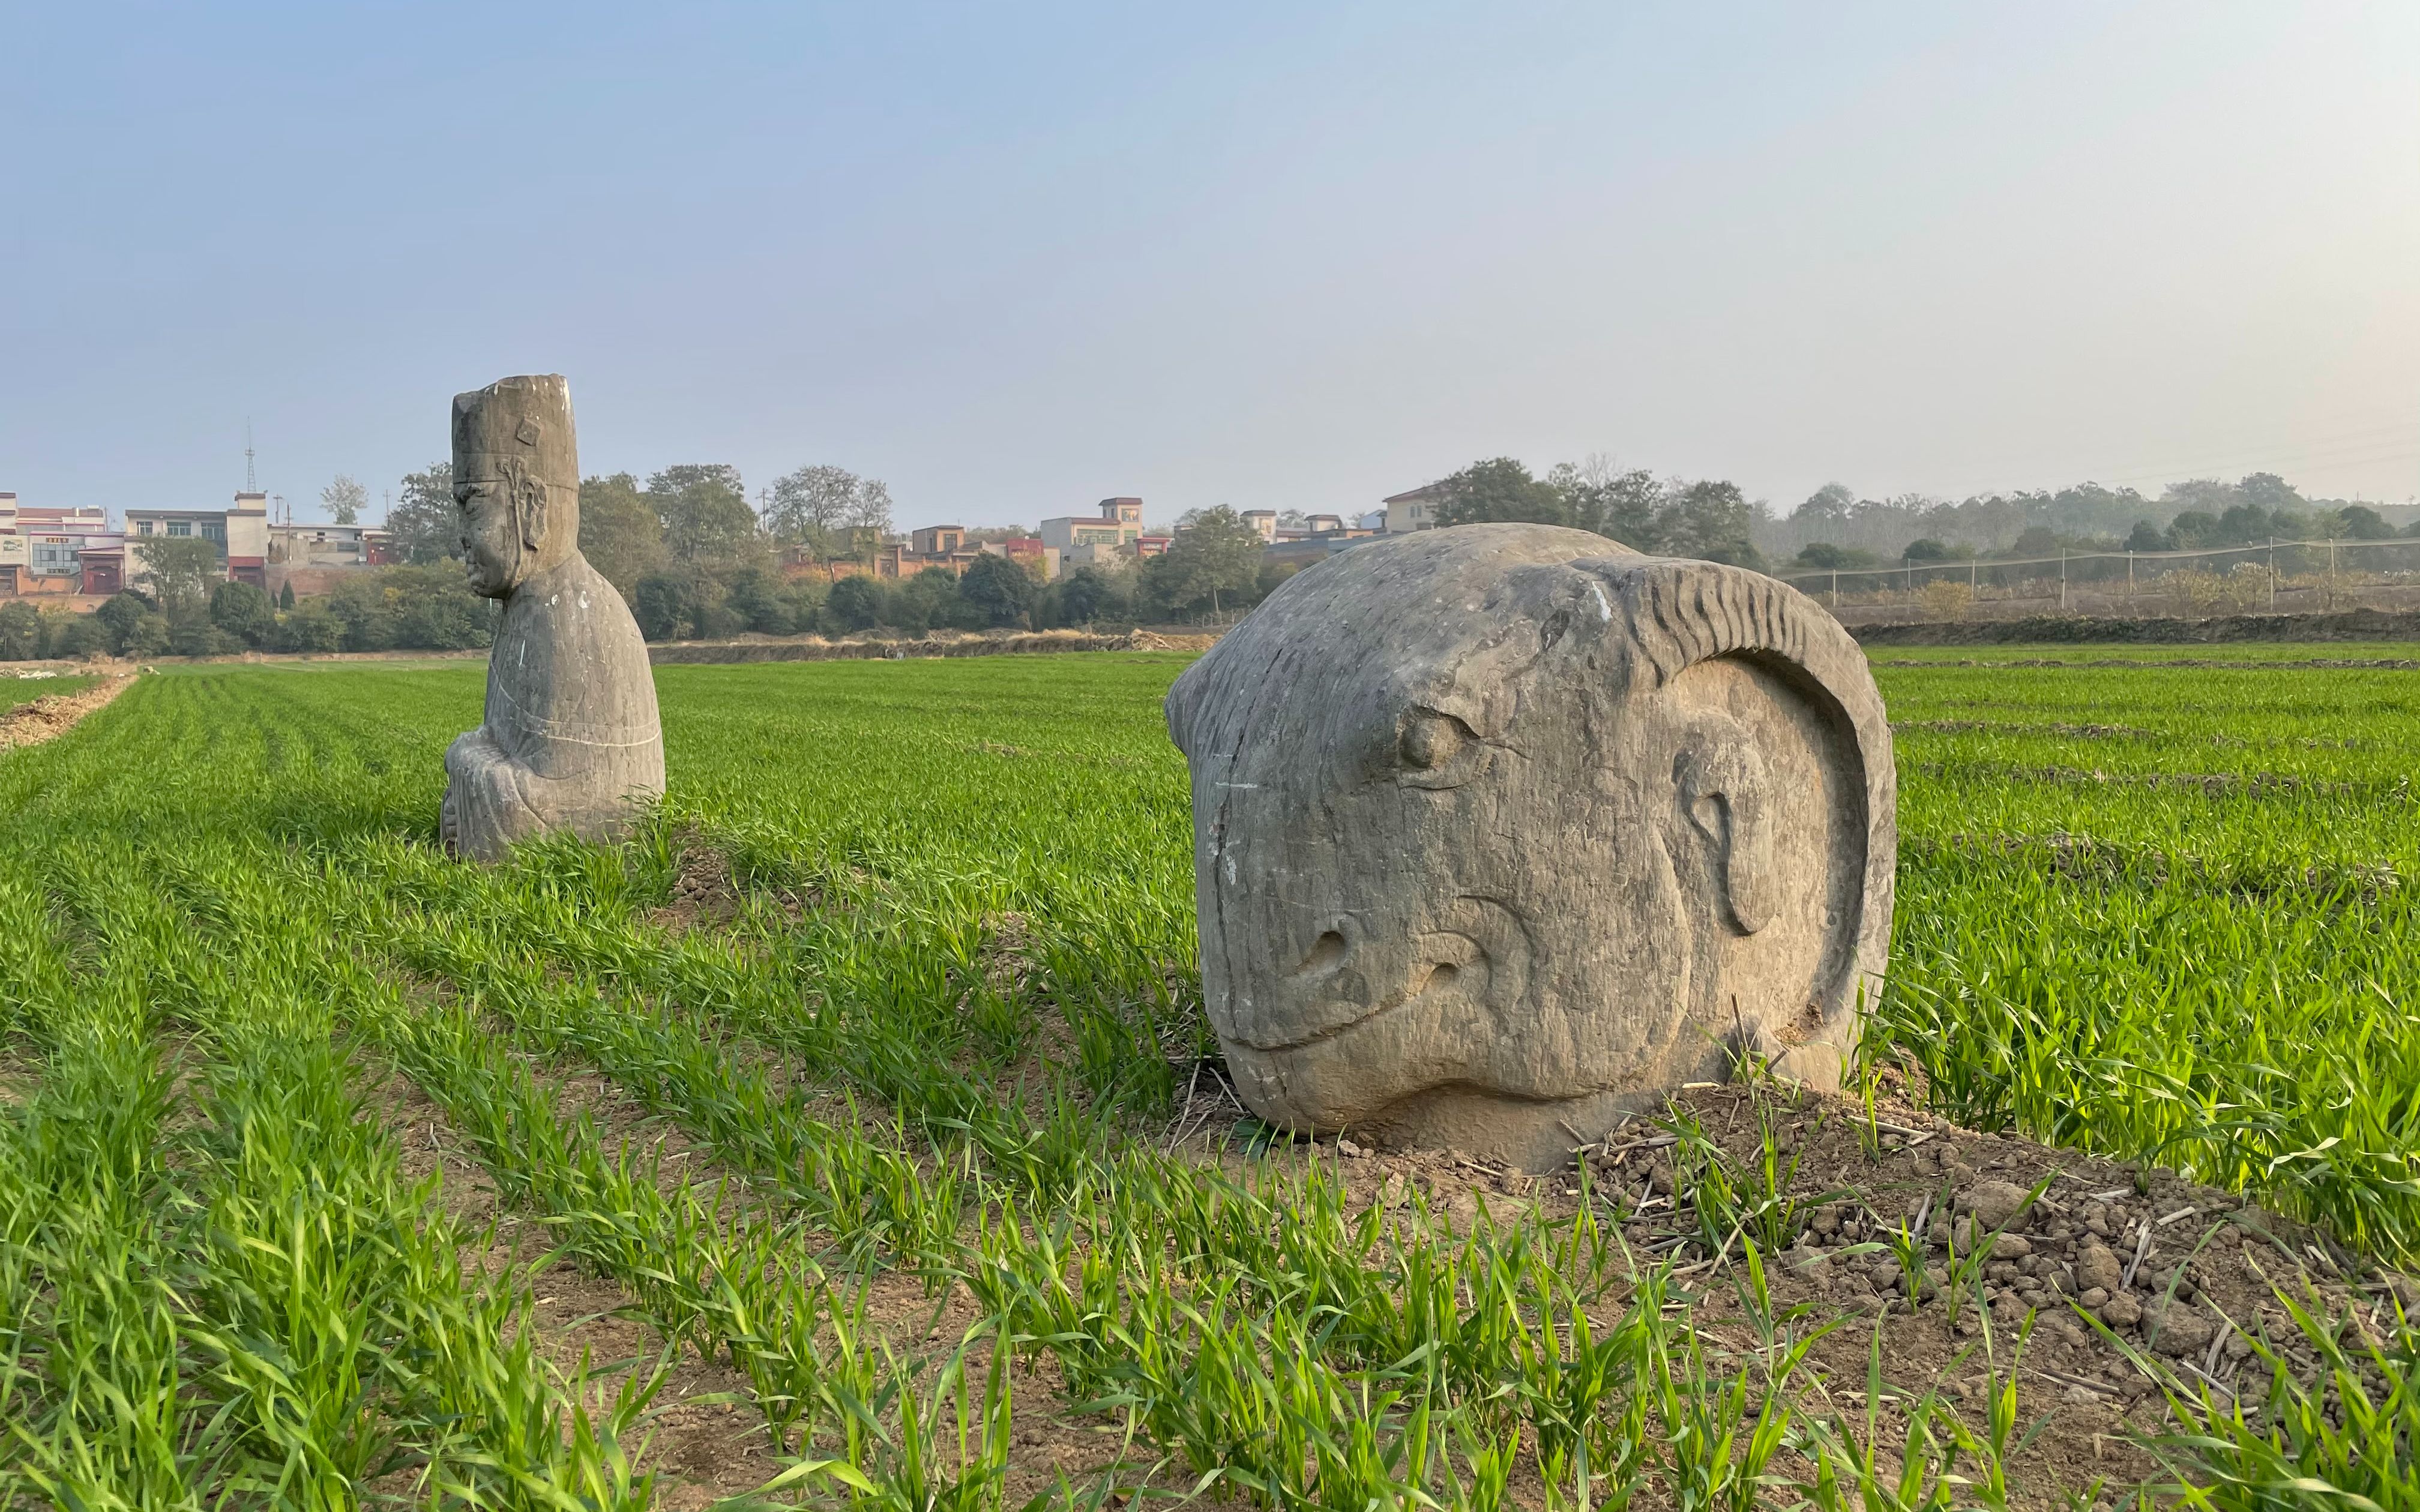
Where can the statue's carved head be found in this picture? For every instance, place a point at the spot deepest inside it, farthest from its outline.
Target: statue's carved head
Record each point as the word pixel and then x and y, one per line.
pixel 1503 828
pixel 516 480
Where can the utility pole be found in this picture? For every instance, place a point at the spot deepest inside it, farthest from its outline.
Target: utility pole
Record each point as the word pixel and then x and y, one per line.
pixel 2272 572
pixel 2062 579
pixel 2130 576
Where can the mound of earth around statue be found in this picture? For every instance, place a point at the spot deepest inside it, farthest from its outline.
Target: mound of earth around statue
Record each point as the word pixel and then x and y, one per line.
pixel 2096 1284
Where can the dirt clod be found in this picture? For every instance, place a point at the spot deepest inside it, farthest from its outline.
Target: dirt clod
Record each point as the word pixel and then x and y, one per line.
pixel 1993 1203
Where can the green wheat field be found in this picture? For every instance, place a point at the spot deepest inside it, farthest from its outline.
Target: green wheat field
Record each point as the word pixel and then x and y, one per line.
pixel 932 1016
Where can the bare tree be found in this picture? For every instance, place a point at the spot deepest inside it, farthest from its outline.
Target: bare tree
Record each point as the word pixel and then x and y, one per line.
pixel 830 511
pixel 871 513
pixel 346 498
pixel 812 507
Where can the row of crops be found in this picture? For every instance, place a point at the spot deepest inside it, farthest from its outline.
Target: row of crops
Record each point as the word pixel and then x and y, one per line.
pixel 2161 910
pixel 936 1032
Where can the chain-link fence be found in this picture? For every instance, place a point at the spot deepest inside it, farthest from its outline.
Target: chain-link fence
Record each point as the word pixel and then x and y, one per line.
pixel 2281 577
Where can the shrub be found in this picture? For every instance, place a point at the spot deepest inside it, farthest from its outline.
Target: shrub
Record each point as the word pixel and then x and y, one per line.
pixel 1945 598
pixel 718 619
pixel 120 615
pixel 997 590
pixel 755 602
pixel 21 632
pixel 196 636
pixel 243 612
pixel 1085 596
pixel 930 601
pixel 84 637
pixel 410 609
pixel 362 604
pixel 148 635
pixel 445 622
pixel 855 604
pixel 680 602
pixel 2209 593
pixel 311 627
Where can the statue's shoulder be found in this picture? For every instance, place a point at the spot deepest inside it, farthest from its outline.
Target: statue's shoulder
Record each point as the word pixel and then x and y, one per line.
pixel 569 660
pixel 605 615
pixel 575 619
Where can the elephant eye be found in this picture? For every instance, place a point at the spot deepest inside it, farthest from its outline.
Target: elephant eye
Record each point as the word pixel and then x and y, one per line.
pixel 1431 740
pixel 1437 750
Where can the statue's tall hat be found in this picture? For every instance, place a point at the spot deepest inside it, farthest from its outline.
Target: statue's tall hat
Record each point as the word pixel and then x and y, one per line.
pixel 523 419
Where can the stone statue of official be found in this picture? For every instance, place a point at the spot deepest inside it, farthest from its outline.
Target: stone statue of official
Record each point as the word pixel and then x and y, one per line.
pixel 571 740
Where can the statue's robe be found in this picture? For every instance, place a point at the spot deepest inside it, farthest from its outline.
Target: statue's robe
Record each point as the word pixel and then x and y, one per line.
pixel 572 740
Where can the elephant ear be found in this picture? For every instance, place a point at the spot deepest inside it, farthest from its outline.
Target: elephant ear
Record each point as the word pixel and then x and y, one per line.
pixel 1726 791
pixel 1678 613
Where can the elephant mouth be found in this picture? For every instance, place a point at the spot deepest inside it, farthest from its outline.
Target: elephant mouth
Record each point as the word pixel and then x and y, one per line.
pixel 1447 969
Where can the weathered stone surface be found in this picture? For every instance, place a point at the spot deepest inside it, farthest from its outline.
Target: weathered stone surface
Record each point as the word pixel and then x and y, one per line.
pixel 2180 1331
pixel 571 740
pixel 2099 1266
pixel 1993 1204
pixel 1502 830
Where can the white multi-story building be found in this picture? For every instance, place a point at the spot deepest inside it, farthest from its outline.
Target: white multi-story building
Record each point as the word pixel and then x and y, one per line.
pixel 1119 522
pixel 1079 539
pixel 241 534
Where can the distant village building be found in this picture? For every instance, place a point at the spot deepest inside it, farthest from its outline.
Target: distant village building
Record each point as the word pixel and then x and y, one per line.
pixel 314 559
pixel 1029 552
pixel 1113 535
pixel 102 560
pixel 1316 539
pixel 901 560
pixel 71 553
pixel 1314 527
pixel 1117 523
pixel 1300 549
pixel 1099 540
pixel 241 534
pixel 43 548
pixel 1415 510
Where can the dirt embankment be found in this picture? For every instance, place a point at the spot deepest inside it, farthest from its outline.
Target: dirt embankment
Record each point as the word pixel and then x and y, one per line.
pixel 51 717
pixel 815 649
pixel 2075 629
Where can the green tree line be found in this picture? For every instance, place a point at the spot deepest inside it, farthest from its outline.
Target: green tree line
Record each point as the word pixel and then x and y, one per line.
pixel 1834 529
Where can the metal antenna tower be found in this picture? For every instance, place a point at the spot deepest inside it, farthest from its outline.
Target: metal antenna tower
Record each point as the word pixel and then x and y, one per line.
pixel 249 485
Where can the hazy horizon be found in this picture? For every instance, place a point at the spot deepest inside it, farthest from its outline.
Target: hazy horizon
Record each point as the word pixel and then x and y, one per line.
pixel 1273 257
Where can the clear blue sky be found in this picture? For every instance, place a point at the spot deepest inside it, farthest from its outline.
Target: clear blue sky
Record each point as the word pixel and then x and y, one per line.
pixel 1015 258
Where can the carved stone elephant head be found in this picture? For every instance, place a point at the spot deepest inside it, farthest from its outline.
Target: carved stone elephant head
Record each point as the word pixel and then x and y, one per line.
pixel 1501 831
